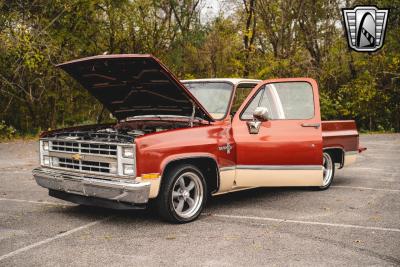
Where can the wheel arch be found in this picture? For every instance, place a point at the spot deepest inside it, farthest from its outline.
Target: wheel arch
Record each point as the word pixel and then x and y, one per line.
pixel 206 164
pixel 337 154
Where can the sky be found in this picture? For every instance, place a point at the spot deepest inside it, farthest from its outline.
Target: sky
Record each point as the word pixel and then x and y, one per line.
pixel 211 8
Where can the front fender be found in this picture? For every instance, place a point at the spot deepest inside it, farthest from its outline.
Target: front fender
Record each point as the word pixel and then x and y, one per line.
pixel 182 156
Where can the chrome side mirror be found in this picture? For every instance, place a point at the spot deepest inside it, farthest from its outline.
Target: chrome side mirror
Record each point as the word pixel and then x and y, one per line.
pixel 261 114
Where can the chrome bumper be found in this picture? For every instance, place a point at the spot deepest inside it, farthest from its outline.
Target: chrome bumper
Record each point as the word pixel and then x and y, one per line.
pixel 86 185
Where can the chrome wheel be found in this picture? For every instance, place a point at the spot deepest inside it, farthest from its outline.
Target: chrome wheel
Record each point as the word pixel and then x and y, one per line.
pixel 328 166
pixel 187 194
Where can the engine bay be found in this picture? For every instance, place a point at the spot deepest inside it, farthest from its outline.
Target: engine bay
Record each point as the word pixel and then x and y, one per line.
pixel 124 132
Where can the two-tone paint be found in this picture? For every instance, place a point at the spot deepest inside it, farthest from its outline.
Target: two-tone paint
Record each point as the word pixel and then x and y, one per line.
pixel 283 153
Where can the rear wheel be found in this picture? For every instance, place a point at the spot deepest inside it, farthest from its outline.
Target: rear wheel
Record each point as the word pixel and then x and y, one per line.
pixel 328 171
pixel 183 194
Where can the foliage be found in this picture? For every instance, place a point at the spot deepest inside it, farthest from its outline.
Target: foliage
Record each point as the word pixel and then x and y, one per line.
pixel 255 38
pixel 6 132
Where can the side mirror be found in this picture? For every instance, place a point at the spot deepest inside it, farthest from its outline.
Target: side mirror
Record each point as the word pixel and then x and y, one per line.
pixel 261 114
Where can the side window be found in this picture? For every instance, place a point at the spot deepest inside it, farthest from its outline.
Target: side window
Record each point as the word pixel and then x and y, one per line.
pixel 284 101
pixel 255 102
pixel 242 91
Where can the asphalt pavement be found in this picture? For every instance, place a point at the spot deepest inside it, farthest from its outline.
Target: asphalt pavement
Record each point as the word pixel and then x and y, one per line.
pixel 355 222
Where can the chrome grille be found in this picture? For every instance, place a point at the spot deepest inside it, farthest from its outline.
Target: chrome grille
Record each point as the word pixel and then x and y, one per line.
pixel 87 156
pixel 84 148
pixel 84 165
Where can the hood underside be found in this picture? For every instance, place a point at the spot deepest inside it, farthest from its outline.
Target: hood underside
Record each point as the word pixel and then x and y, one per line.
pixel 134 85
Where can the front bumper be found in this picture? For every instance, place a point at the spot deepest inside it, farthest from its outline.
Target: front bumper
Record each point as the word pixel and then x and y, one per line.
pixel 128 191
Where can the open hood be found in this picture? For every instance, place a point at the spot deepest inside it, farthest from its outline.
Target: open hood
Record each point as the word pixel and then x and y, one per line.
pixel 132 85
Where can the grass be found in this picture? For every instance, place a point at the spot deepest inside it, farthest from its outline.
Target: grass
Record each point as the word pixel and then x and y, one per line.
pixel 376 132
pixel 19 137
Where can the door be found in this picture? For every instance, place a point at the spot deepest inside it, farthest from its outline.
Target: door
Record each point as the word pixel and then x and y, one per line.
pixel 287 150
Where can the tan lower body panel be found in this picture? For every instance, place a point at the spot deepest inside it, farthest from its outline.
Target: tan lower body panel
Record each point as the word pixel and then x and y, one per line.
pixel 350 157
pixel 235 179
pixel 233 189
pixel 226 179
pixel 275 178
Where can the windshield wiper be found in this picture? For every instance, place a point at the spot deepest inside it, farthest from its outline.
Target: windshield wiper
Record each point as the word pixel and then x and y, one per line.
pixel 155 116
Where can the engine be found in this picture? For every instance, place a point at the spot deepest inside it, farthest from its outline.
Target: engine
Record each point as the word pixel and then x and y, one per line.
pixel 125 132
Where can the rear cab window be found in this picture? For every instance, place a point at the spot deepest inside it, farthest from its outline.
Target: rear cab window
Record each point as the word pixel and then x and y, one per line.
pixel 241 93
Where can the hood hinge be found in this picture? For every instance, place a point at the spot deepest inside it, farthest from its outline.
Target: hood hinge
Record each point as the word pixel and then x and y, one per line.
pixel 193 113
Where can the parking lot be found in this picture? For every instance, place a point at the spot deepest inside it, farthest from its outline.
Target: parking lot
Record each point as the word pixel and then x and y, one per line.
pixel 355 222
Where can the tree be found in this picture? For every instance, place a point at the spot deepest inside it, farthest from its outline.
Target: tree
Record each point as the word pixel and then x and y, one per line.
pixel 255 38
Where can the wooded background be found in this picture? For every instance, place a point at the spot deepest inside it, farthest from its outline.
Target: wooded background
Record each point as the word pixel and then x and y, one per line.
pixel 251 38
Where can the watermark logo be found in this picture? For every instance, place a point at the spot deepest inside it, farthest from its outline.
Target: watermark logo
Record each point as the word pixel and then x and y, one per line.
pixel 365 26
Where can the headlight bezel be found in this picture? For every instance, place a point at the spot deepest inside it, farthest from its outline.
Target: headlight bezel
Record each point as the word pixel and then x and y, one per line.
pixel 126 158
pixel 46 160
pixel 128 152
pixel 44 153
pixel 128 169
pixel 45 145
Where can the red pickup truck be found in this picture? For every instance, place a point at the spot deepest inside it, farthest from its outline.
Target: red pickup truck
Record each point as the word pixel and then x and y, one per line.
pixel 177 142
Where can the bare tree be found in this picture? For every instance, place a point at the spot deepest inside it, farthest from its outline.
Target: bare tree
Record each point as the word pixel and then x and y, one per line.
pixel 249 33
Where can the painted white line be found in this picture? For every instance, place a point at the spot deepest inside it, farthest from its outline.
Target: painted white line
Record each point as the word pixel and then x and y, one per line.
pixel 45 241
pixel 306 222
pixel 367 169
pixel 367 188
pixel 36 202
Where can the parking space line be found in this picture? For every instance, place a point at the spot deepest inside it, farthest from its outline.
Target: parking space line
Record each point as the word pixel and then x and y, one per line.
pixel 366 188
pixel 357 169
pixel 255 218
pixel 36 202
pixel 45 241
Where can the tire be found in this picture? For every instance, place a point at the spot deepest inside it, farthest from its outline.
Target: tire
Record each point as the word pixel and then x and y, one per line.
pixel 183 194
pixel 328 171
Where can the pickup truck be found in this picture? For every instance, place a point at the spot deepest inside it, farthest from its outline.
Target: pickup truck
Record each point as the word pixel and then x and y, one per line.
pixel 175 143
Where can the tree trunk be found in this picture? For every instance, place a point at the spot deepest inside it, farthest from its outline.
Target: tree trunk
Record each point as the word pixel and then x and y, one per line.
pixel 249 34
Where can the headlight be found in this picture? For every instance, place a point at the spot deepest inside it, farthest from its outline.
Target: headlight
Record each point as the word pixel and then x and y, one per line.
pixel 129 169
pixel 46 160
pixel 127 152
pixel 46 146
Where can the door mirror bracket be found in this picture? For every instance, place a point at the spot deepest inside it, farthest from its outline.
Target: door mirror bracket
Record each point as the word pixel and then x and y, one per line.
pixel 260 114
pixel 254 126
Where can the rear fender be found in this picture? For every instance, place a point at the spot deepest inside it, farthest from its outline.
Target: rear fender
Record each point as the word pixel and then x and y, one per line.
pixel 337 154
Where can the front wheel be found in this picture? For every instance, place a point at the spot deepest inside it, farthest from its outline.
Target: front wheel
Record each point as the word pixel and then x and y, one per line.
pixel 328 171
pixel 183 194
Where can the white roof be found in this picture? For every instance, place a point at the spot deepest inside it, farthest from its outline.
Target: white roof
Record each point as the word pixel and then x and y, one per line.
pixel 235 81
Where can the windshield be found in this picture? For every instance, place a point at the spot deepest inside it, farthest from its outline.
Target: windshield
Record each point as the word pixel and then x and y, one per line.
pixel 213 96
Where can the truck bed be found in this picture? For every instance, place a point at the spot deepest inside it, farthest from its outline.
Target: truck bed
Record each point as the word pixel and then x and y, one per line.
pixel 341 134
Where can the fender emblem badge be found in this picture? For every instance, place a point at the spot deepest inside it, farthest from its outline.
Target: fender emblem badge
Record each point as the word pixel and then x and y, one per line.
pixel 227 147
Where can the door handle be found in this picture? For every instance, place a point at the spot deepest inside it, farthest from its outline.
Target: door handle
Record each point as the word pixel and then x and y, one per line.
pixel 315 125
